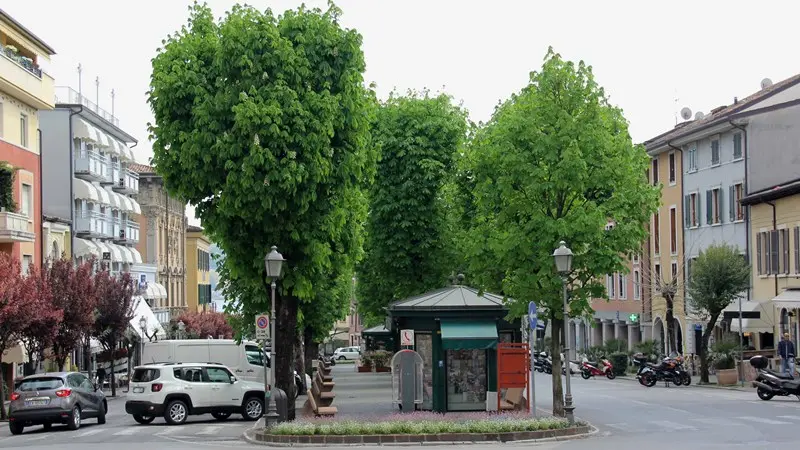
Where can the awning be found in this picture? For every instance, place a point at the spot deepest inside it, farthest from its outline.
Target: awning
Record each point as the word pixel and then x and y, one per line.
pixel 114 146
pixel 135 206
pixel 127 256
pixel 84 190
pixel 137 257
pixel 115 202
pixel 152 326
pixel 162 292
pixel 125 203
pixel 116 252
pixel 789 299
pixel 765 324
pixel 104 249
pixel 468 335
pixel 85 131
pixel 85 247
pixel 104 196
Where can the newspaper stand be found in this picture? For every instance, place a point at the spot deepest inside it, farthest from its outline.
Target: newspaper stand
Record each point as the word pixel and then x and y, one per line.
pixel 407 379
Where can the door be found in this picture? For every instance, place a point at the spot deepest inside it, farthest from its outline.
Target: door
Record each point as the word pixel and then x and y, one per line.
pixel 83 397
pixel 252 369
pixel 223 392
pixel 196 384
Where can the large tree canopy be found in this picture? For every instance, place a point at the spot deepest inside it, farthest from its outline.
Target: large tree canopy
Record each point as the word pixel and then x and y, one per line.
pixel 407 241
pixel 556 163
pixel 262 121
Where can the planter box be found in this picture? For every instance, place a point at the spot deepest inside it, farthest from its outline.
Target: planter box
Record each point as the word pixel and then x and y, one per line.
pixel 727 377
pixel 364 369
pixel 383 369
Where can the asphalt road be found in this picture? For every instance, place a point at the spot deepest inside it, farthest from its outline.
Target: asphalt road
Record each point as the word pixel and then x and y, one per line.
pixel 627 415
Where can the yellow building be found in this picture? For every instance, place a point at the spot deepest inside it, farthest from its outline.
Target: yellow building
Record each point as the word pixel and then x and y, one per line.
pixel 666 269
pixel 198 270
pixel 775 260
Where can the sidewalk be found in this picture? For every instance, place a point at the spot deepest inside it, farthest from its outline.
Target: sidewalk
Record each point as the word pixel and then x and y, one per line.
pixel 696 383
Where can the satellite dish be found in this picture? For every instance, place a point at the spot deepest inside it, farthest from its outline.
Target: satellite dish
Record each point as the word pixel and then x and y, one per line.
pixel 686 113
pixel 765 83
pixel 699 115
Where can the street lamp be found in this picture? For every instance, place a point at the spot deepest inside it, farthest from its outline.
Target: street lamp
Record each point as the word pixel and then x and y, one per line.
pixel 563 259
pixel 273 262
pixel 181 329
pixel 143 327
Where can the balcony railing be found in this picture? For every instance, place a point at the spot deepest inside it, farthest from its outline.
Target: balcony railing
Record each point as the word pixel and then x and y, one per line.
pixel 131 231
pixel 23 61
pixel 68 95
pixel 93 164
pixel 93 222
pixel 127 181
pixel 15 228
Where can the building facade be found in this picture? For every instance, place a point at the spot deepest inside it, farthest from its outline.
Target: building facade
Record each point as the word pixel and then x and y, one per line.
pixel 163 229
pixel 198 273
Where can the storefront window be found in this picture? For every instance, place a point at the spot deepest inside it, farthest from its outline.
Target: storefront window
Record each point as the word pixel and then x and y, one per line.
pixel 425 349
pixel 466 380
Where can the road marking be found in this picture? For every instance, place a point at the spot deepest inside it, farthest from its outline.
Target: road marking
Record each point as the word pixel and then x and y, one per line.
pixel 90 432
pixel 168 430
pixel 38 438
pixel 672 425
pixel 618 426
pixel 638 402
pixel 128 431
pixel 210 430
pixel 762 420
pixel 790 417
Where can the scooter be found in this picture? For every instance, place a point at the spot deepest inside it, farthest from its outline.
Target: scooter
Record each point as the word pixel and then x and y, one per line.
pixel 769 383
pixel 592 369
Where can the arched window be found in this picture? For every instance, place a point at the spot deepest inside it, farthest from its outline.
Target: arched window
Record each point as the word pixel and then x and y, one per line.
pixel 54 253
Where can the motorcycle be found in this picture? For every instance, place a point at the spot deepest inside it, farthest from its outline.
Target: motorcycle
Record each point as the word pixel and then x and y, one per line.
pixel 669 370
pixel 769 383
pixel 592 369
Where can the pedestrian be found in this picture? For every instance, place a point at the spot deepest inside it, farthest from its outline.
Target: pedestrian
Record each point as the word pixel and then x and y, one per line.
pixel 786 353
pixel 101 376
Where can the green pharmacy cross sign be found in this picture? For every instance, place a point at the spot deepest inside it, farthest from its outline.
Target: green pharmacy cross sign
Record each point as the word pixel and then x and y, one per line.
pixel 634 317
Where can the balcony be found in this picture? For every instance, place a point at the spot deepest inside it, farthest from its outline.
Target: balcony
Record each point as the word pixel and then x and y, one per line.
pixel 15 228
pixel 165 314
pixel 90 165
pixel 113 171
pixel 69 96
pixel 127 182
pixel 22 78
pixel 92 223
pixel 127 234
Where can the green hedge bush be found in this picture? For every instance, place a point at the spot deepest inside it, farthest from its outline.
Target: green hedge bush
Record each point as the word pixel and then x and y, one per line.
pixel 620 362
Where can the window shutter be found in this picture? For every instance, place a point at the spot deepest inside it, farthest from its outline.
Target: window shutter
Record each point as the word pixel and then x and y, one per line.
pixel 697 209
pixel 709 208
pixel 774 252
pixel 759 254
pixel 687 211
pixel 732 203
pixel 796 249
pixel 785 249
pixel 721 201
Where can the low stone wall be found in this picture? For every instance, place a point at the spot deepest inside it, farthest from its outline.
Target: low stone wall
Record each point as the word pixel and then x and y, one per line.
pixel 263 436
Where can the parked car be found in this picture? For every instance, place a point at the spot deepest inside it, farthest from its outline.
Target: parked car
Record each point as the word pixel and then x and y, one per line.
pixel 177 390
pixel 55 398
pixel 344 353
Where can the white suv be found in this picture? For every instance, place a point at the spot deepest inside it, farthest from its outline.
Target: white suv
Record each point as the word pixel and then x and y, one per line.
pixel 347 353
pixel 178 390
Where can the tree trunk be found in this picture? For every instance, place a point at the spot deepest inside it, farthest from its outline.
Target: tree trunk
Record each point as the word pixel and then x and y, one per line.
pixel 300 357
pixel 283 342
pixel 704 347
pixel 3 388
pixel 311 351
pixel 113 368
pixel 669 333
pixel 555 352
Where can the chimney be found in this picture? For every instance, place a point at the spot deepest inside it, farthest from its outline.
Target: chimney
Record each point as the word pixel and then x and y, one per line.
pixel 735 100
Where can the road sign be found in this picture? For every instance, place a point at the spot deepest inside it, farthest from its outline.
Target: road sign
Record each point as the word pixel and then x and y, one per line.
pixel 532 315
pixel 406 338
pixel 262 326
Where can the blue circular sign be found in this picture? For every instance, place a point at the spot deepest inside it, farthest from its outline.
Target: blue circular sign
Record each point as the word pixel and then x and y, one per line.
pixel 532 316
pixel 262 322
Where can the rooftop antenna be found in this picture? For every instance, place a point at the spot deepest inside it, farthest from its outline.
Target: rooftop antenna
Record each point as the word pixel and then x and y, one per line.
pixel 80 84
pixel 112 103
pixel 676 106
pixel 97 91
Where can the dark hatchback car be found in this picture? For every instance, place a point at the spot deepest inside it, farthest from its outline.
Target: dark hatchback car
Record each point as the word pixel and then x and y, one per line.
pixel 55 398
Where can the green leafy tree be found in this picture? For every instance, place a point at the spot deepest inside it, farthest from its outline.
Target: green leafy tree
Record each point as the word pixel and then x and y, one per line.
pixel 556 162
pixel 719 276
pixel 407 240
pixel 262 122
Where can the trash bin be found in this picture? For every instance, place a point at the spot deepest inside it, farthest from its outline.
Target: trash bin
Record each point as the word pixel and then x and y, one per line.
pixel 281 405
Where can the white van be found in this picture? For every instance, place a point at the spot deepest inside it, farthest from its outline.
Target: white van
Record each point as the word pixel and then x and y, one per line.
pixel 246 360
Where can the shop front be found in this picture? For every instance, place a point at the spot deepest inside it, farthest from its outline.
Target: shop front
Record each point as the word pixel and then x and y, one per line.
pixel 455 331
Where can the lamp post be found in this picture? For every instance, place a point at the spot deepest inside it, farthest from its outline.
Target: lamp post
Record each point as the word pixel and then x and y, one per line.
pixel 273 263
pixel 143 327
pixel 181 329
pixel 563 259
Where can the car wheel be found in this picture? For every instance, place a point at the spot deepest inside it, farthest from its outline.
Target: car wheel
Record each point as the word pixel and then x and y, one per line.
pixel 15 428
pixel 342 358
pixel 253 408
pixel 221 415
pixel 47 426
pixel 177 412
pixel 144 420
pixel 74 419
pixel 101 415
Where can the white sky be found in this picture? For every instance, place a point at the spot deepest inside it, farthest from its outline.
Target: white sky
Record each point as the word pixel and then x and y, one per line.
pixel 703 52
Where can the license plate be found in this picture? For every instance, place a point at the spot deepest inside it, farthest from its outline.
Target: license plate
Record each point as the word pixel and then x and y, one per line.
pixel 138 390
pixel 36 402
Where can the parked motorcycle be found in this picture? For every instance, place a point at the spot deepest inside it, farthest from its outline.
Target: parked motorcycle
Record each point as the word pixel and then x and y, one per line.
pixel 601 368
pixel 669 370
pixel 769 383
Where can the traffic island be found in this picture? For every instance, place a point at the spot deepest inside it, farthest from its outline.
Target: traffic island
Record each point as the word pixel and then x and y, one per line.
pixel 418 428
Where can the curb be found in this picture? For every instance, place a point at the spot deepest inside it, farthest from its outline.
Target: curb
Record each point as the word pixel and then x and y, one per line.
pixel 703 386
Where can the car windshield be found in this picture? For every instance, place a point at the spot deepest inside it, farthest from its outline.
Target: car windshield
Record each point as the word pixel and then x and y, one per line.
pixel 41 384
pixel 254 355
pixel 145 375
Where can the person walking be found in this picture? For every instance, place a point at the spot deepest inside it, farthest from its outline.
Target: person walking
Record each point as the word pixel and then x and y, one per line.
pixel 101 376
pixel 786 353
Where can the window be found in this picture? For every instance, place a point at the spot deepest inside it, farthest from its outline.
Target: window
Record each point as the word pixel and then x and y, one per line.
pixel 772 252
pixel 623 286
pixel 674 268
pixel 692 157
pixel 656 233
pixel 655 172
pixel 27 260
pixel 736 210
pixel 657 272
pixel 254 355
pixel 145 375
pixel 23 130
pixel 715 152
pixel 637 284
pixel 218 375
pixel 610 285
pixel 673 231
pixel 737 146
pixel 691 210
pixel 783 236
pixel 796 249
pixel 672 168
pixel 714 206
pixel 636 258
pixel 27 200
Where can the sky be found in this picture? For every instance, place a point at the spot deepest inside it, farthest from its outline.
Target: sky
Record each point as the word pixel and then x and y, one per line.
pixel 653 58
